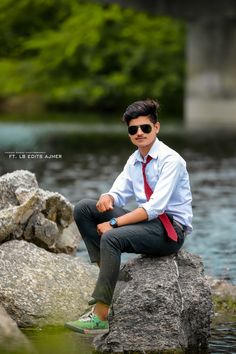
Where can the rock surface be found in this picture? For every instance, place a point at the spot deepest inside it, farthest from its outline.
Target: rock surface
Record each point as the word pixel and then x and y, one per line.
pixel 11 338
pixel 221 287
pixel 162 304
pixel 30 213
pixel 10 182
pixel 39 288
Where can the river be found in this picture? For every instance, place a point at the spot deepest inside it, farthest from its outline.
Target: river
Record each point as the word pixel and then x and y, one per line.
pixel 82 159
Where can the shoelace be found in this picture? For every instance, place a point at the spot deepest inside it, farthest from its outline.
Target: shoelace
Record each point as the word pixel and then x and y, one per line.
pixel 87 313
pixel 87 317
pixel 92 319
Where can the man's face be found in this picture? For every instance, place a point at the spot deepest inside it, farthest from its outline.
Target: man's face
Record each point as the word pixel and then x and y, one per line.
pixel 143 139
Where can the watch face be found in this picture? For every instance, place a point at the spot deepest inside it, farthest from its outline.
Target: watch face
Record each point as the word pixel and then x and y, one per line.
pixel 113 222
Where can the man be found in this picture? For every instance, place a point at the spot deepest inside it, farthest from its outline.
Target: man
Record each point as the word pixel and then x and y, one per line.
pixel 157 177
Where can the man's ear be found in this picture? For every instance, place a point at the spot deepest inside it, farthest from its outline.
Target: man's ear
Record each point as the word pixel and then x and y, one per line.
pixel 157 126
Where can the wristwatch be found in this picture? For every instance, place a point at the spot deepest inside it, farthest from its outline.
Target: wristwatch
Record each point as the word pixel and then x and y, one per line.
pixel 113 223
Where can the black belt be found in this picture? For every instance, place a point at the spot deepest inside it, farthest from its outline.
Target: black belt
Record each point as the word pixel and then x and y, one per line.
pixel 182 227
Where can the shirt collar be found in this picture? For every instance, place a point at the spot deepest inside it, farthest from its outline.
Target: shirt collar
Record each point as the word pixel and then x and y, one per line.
pixel 153 152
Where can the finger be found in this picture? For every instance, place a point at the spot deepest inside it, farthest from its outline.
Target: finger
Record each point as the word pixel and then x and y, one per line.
pixel 99 207
pixel 107 205
pixel 98 204
pixel 102 207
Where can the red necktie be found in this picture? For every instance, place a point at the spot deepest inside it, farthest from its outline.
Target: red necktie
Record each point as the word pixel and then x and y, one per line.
pixel 163 217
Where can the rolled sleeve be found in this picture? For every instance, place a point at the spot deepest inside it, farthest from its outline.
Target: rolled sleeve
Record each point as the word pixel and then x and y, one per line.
pixel 152 214
pixel 164 188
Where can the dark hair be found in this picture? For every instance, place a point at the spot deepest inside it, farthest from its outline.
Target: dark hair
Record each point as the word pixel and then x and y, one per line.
pixel 141 108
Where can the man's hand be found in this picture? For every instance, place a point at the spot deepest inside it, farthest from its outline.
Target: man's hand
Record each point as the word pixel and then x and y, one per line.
pixel 103 227
pixel 105 203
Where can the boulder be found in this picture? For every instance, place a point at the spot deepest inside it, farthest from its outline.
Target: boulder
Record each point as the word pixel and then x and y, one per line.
pixel 27 212
pixel 161 304
pixel 11 338
pixel 39 288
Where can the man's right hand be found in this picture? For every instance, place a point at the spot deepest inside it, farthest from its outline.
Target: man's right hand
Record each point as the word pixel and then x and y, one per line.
pixel 105 203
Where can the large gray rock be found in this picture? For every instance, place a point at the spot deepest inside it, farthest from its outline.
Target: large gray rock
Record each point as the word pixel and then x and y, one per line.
pixel 161 304
pixel 30 213
pixel 11 338
pixel 39 288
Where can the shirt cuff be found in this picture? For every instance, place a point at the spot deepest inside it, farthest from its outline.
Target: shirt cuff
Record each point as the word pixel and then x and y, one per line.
pixel 152 214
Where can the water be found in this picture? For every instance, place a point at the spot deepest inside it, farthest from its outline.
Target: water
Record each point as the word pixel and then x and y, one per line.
pixel 62 341
pixel 93 155
pixel 223 338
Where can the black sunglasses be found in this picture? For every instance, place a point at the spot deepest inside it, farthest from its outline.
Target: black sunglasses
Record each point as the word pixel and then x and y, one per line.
pixel 133 129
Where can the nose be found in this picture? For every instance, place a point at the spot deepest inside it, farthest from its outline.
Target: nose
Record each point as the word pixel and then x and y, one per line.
pixel 139 131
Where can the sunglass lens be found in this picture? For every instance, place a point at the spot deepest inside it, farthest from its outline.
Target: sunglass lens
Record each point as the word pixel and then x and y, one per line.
pixel 146 128
pixel 133 129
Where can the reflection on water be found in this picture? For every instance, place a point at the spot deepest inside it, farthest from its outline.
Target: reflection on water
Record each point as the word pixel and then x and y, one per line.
pixel 223 339
pixel 93 155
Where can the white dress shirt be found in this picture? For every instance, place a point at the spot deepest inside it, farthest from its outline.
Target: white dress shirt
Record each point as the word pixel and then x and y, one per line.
pixel 168 178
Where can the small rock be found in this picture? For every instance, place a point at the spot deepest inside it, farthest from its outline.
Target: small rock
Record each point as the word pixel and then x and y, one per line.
pixel 221 287
pixel 30 213
pixel 68 240
pixel 10 182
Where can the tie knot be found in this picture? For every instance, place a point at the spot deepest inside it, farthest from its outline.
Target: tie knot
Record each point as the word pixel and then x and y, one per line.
pixel 148 159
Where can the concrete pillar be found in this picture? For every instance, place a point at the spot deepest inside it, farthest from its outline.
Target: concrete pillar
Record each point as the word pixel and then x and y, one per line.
pixel 210 97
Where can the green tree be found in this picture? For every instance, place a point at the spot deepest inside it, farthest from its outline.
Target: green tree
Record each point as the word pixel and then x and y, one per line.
pixel 80 54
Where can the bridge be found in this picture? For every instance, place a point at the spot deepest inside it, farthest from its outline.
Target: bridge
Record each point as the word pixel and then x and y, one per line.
pixel 210 88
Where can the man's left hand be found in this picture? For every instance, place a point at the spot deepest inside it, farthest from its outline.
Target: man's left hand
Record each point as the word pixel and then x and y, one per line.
pixel 103 227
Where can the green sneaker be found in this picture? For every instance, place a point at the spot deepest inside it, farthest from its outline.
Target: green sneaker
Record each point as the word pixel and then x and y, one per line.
pixel 89 324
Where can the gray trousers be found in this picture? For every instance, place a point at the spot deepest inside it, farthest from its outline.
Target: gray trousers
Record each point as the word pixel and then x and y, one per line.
pixel 148 237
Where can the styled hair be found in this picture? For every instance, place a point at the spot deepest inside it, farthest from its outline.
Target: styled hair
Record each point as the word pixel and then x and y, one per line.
pixel 141 108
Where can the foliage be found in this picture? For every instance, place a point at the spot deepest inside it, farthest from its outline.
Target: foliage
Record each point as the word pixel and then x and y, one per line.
pixel 81 54
pixel 225 304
